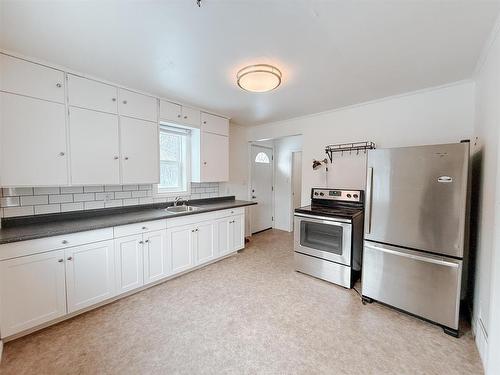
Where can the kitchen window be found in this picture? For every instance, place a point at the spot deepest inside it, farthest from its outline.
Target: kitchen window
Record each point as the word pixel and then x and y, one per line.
pixel 174 161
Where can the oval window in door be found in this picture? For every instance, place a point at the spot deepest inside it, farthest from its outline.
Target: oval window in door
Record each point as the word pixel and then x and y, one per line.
pixel 261 157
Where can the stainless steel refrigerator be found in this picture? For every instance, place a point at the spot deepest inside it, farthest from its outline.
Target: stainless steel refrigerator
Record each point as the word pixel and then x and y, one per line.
pixel 415 230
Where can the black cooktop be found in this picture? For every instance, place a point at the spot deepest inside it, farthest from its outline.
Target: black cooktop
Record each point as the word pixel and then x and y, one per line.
pixel 321 210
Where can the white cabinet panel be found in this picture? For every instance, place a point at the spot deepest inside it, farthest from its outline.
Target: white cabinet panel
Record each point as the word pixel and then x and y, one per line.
pixel 140 155
pixel 224 236
pixel 180 242
pixel 156 260
pixel 129 263
pixel 170 111
pixel 214 124
pixel 190 116
pixel 214 157
pixel 90 94
pixel 205 242
pixel 238 232
pixel 90 276
pixel 22 77
pixel 94 147
pixel 33 142
pixel 32 291
pixel 137 105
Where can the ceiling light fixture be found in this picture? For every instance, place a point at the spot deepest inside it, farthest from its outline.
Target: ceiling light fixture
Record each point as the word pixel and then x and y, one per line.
pixel 259 78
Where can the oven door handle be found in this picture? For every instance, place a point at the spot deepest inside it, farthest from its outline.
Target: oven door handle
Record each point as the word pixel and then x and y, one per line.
pixel 324 219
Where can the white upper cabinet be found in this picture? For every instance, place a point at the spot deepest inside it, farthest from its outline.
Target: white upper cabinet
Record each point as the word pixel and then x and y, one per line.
pixel 170 111
pixel 90 94
pixel 214 124
pixel 139 146
pixel 214 157
pixel 33 136
pixel 137 105
pixel 26 78
pixel 94 143
pixel 191 116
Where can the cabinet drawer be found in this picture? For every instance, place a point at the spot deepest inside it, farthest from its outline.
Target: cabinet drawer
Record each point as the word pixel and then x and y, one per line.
pixel 136 228
pixel 170 111
pixel 22 77
pixel 214 124
pixel 40 245
pixel 197 218
pixel 90 94
pixel 137 105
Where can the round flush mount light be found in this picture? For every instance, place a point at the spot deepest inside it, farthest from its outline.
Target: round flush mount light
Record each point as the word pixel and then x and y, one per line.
pixel 259 78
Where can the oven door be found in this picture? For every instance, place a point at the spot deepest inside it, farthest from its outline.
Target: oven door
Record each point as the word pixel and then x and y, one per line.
pixel 323 238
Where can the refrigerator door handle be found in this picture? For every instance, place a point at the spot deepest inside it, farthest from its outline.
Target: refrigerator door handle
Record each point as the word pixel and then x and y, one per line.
pixel 368 206
pixel 414 257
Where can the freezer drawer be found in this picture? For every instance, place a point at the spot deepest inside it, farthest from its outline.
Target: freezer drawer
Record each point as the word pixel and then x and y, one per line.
pixel 425 285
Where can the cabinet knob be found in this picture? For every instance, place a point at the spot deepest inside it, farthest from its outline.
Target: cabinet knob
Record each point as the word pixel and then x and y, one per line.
pixel 204 122
pixel 116 157
pixel 147 241
pixel 144 228
pixel 185 117
pixel 124 102
pixel 126 157
pixel 70 258
pixel 192 230
pixel 141 242
pixel 60 260
pixel 64 242
pixel 204 163
pixel 113 99
pixel 62 153
pixel 58 85
pixel 178 116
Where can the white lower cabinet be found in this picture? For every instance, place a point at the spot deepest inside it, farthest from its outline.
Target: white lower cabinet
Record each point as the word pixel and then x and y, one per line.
pixel 156 259
pixel 42 285
pixel 32 291
pixel 90 276
pixel 180 245
pixel 129 263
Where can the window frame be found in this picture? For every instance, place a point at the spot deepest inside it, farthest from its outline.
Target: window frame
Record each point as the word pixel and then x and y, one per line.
pixel 186 164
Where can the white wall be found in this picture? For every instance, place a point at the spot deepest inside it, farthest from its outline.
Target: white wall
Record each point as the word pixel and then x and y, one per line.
pixel 439 115
pixel 283 149
pixel 487 282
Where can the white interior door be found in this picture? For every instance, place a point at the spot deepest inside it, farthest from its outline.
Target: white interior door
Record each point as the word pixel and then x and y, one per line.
pixel 296 182
pixel 262 188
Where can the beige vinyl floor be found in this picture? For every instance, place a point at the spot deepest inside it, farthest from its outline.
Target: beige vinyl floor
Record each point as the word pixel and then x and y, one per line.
pixel 247 314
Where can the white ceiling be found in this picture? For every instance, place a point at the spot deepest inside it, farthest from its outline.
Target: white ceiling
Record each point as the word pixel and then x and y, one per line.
pixel 332 53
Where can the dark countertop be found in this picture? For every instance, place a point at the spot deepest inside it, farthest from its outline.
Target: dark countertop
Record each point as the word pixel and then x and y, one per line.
pixel 28 228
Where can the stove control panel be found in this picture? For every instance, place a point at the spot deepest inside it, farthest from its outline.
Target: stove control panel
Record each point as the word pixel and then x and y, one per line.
pixel 337 194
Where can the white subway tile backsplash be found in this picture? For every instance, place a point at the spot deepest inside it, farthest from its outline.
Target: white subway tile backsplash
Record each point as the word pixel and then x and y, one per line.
pixel 65 207
pixel 61 198
pixel 31 200
pixel 12 192
pixel 84 197
pixel 47 209
pixel 46 190
pixel 9 201
pixel 18 211
pixel 71 189
pixel 41 200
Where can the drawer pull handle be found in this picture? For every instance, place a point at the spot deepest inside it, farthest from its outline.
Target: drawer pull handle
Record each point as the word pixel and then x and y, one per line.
pixel 64 242
pixel 144 228
pixel 147 241
pixel 70 258
pixel 141 242
pixel 60 260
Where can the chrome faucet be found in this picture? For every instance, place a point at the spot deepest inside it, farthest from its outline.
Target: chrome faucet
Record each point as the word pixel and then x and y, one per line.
pixel 177 200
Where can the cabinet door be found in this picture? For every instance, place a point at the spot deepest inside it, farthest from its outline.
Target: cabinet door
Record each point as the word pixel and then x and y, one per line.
pixel 90 94
pixel 129 263
pixel 26 78
pixel 33 136
pixel 224 236
pixel 205 242
pixel 32 291
pixel 156 262
pixel 138 106
pixel 191 116
pixel 180 245
pixel 94 143
pixel 214 157
pixel 90 276
pixel 214 124
pixel 139 146
pixel 238 232
pixel 170 111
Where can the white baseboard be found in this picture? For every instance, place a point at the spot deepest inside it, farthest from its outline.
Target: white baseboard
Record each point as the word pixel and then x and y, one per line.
pixel 481 338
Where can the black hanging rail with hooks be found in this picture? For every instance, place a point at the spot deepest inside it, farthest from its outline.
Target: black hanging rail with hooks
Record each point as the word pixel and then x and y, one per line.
pixel 348 147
